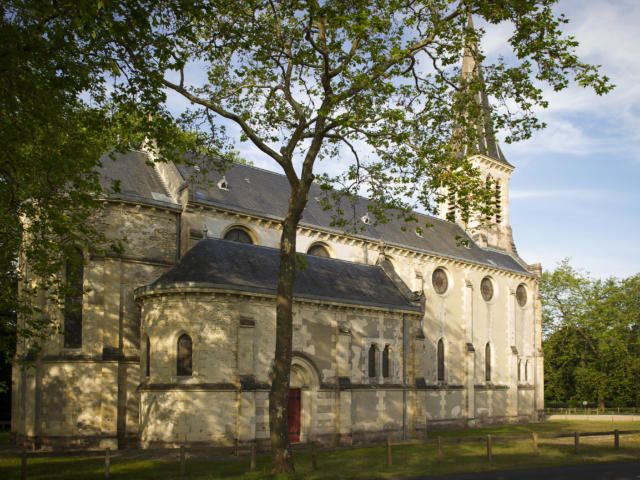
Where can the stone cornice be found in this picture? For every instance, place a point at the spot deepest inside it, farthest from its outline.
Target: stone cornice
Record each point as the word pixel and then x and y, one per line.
pixel 492 162
pixel 138 201
pixel 229 290
pixel 324 233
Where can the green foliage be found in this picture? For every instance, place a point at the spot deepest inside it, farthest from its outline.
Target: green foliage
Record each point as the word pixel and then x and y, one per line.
pixel 58 119
pixel 591 342
pixel 376 84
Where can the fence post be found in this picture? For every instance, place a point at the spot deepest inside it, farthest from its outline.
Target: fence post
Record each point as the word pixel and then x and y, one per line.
pixel 616 439
pixel 107 462
pixel 535 444
pixel 489 447
pixel 314 455
pixel 23 465
pixel 577 440
pixel 252 461
pixel 439 448
pixel 182 460
pixel 389 462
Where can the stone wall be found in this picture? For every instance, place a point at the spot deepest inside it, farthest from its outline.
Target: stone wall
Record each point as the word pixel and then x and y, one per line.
pixel 233 346
pixel 87 396
pixel 460 317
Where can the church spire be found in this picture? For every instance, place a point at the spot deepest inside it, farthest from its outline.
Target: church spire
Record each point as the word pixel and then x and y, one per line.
pixel 468 60
pixel 486 156
pixel 485 143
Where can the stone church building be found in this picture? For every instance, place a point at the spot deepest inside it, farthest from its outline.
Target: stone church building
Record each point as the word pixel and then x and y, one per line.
pixel 397 329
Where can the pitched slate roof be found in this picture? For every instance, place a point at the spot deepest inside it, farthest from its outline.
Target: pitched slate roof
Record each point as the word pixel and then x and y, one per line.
pixel 264 193
pixel 250 268
pixel 135 178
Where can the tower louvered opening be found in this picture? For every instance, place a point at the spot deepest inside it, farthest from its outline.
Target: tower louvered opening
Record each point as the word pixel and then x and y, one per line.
pixel 498 200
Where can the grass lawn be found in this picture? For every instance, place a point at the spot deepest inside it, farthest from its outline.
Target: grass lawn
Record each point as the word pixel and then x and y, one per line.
pixel 408 460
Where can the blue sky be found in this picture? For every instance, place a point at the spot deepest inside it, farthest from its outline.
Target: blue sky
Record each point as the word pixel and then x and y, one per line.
pixel 574 192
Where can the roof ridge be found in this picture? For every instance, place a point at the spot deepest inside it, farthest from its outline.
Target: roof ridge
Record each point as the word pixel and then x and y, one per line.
pixel 321 259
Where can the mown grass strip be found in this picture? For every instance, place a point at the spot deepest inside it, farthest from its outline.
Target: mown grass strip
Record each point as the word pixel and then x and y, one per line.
pixel 408 459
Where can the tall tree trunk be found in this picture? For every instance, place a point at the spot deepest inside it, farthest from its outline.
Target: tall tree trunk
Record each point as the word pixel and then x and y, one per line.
pixel 637 390
pixel 603 375
pixel 279 393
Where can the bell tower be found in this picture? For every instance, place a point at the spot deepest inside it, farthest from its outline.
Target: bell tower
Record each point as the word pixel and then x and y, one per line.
pixel 487 157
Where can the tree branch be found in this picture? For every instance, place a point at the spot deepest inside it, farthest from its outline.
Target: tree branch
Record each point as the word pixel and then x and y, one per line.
pixel 253 136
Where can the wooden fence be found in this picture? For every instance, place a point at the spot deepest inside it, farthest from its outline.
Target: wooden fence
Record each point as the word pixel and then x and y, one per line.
pixel 591 411
pixel 438 441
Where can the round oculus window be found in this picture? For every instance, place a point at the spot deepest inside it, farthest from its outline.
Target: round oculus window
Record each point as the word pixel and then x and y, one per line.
pixel 440 281
pixel 486 289
pixel 521 295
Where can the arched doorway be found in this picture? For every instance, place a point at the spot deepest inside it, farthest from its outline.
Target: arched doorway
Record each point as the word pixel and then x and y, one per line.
pixel 303 390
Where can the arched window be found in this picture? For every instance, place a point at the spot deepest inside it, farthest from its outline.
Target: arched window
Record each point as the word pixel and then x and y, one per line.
pixel 147 357
pixel 73 300
pixel 318 250
pixel 519 370
pixel 440 360
pixel 238 235
pixel 487 362
pixel 386 359
pixel 184 356
pixel 526 371
pixel 373 360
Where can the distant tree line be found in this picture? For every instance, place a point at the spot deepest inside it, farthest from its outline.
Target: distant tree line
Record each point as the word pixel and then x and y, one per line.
pixel 591 344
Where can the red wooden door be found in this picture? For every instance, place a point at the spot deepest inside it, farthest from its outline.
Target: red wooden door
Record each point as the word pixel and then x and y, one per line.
pixel 294 415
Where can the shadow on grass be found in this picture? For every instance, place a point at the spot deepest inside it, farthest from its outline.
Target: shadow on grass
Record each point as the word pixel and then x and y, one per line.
pixel 408 460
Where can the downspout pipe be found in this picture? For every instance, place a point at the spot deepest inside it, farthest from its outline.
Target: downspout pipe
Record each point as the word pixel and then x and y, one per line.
pixel 404 376
pixel 535 357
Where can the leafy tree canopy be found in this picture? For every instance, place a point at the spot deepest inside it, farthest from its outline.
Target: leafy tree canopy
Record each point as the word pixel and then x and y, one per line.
pixel 590 338
pixel 57 121
pixel 377 83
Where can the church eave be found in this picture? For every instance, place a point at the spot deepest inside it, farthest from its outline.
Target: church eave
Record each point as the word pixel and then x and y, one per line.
pixel 183 288
pixel 363 238
pixel 499 165
pixel 139 200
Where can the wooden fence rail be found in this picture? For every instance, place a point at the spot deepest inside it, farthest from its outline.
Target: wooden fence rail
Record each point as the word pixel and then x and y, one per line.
pixel 439 441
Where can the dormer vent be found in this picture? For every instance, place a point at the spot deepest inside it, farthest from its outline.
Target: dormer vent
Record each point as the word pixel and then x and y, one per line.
pixel 223 185
pixel 420 232
pixel 365 219
pixel 247 180
pixel 197 168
